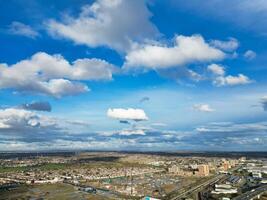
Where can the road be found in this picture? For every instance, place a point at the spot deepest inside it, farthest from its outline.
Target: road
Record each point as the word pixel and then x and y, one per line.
pixel 194 189
pixel 251 194
pixel 205 184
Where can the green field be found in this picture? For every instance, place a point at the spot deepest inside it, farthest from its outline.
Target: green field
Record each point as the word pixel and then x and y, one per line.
pixel 44 167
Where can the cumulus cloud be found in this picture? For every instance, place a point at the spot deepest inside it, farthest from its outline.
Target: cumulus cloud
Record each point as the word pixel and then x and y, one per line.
pixel 38 106
pixel 62 87
pixel 203 108
pixel 53 75
pixel 264 102
pixel 22 120
pixel 216 69
pixel 220 79
pixel 240 79
pixel 127 114
pixel 186 50
pixel 250 55
pixel 28 126
pixel 112 23
pixel 230 45
pixel 18 28
pixel 169 61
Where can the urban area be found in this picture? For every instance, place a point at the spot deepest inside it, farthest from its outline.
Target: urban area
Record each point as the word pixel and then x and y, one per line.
pixel 129 175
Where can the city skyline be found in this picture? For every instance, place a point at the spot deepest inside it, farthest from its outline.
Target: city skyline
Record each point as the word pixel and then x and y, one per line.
pixel 133 75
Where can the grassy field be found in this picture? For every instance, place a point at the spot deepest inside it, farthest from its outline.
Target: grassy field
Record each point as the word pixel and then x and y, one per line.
pixel 44 167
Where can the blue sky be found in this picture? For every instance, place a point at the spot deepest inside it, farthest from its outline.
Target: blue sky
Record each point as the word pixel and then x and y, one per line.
pixel 133 75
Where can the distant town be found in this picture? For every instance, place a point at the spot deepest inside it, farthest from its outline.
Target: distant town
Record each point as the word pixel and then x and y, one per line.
pixel 133 175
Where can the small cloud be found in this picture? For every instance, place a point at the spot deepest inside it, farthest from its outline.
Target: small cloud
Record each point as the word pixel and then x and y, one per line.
pixel 202 129
pixel 127 114
pixel 240 79
pixel 216 69
pixel 220 79
pixel 250 55
pixel 230 45
pixel 144 99
pixel 18 28
pixel 195 76
pixel 132 132
pixel 203 108
pixel 38 106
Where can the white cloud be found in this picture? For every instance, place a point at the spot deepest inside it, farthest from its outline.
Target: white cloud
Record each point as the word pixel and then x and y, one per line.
pixel 112 23
pixel 216 69
pixel 18 28
pixel 127 132
pixel 127 114
pixel 187 49
pixel 202 129
pixel 230 45
pixel 250 55
pixel 53 75
pixel 30 125
pixel 195 76
pixel 240 79
pixel 19 119
pixel 62 87
pixel 203 108
pixel 220 79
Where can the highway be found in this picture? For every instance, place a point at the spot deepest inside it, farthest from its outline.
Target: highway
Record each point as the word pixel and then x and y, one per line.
pixel 205 184
pixel 252 194
pixel 194 189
